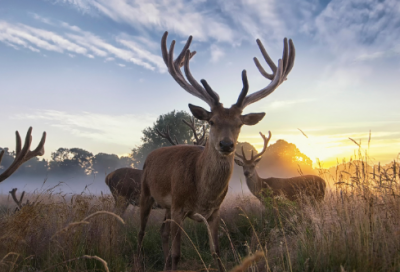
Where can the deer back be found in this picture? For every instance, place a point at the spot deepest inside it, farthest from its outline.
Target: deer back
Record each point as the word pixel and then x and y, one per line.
pixel 125 182
pixel 309 185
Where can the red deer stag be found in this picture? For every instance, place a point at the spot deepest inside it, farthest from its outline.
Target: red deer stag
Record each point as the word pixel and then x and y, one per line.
pixel 124 183
pixel 310 185
pixel 22 154
pixel 192 181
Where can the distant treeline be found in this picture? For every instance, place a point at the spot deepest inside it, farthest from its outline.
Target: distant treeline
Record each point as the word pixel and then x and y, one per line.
pixel 281 159
pixel 68 161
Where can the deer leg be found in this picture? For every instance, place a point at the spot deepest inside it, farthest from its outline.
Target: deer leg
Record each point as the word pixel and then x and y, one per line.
pixel 146 202
pixel 213 222
pixel 165 233
pixel 176 225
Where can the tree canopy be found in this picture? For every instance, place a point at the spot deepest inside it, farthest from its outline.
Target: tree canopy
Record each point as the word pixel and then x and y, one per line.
pixel 151 140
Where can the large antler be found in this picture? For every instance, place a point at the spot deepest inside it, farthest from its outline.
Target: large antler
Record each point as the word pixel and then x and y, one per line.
pixel 279 74
pixel 165 134
pixel 174 68
pixel 253 158
pixel 24 154
pixel 202 141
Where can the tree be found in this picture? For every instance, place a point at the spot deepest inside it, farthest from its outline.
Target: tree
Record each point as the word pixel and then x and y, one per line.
pixel 151 140
pixel 283 159
pixel 73 161
pixel 105 163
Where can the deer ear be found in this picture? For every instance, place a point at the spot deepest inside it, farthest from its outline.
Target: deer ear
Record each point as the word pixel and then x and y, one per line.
pixel 257 160
pixel 238 162
pixel 200 113
pixel 252 118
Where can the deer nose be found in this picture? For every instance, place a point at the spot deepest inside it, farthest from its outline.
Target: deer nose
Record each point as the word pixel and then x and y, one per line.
pixel 246 173
pixel 226 145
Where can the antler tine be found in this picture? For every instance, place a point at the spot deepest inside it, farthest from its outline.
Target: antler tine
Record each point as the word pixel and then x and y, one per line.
pixel 279 74
pixel 243 156
pixel 192 87
pixel 24 154
pixel 192 126
pixel 244 91
pixel 266 140
pixel 39 150
pixel 165 134
pixel 201 141
pixel 14 197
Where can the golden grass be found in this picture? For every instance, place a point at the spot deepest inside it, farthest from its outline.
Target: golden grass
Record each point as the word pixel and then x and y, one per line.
pixel 356 227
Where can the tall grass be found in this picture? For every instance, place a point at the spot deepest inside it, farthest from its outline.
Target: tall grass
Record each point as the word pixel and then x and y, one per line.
pixel 355 228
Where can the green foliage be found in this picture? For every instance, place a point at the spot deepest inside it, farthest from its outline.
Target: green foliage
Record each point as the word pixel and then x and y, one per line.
pixel 71 161
pixel 105 163
pixel 151 140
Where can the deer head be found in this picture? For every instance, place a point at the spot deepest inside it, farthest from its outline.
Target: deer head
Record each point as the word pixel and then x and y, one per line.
pixel 225 123
pixel 249 166
pixel 24 154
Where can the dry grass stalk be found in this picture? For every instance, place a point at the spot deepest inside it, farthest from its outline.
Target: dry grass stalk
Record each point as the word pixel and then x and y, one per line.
pixel 105 265
pixel 105 212
pixel 246 263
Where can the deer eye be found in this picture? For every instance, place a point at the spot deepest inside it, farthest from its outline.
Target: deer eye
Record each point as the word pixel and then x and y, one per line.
pixel 211 123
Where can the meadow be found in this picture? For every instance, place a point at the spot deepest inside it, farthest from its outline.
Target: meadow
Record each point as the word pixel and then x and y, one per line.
pixel 355 228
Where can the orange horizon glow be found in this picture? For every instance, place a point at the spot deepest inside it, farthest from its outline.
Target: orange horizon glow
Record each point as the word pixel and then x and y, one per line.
pixel 328 151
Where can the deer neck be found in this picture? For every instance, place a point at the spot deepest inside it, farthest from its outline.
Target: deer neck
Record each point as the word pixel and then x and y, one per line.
pixel 254 183
pixel 216 171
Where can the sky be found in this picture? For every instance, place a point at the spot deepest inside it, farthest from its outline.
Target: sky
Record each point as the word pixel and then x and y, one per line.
pixel 90 72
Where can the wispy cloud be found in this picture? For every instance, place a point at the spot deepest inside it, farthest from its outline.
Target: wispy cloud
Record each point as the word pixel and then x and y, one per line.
pixel 287 103
pixel 216 53
pixel 80 42
pixel 361 28
pixel 103 128
pixel 177 16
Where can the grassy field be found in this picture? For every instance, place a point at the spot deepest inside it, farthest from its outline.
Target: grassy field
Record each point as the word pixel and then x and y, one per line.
pixel 356 228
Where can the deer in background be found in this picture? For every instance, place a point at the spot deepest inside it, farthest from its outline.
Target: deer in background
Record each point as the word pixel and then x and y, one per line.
pixel 125 183
pixel 192 181
pixel 292 188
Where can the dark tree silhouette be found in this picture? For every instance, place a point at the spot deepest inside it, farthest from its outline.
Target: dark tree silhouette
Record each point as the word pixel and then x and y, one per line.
pixel 73 161
pixel 151 140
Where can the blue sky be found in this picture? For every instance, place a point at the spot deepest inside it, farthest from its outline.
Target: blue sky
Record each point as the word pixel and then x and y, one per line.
pixel 90 72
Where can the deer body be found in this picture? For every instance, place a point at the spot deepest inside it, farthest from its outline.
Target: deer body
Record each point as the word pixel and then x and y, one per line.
pixel 198 187
pixel 192 181
pixel 124 184
pixel 310 185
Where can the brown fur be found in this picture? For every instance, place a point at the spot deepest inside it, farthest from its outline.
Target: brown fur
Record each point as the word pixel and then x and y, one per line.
pixel 292 188
pixel 125 184
pixel 308 185
pixel 189 181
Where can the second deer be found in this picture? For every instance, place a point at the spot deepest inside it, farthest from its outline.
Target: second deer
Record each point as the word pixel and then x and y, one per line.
pixel 125 183
pixel 309 185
